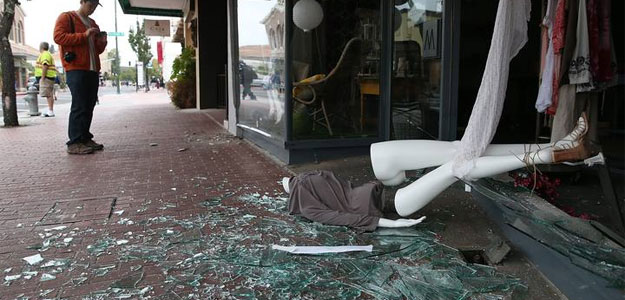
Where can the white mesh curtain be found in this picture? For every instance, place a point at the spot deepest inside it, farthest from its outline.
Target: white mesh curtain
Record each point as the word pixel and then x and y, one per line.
pixel 509 36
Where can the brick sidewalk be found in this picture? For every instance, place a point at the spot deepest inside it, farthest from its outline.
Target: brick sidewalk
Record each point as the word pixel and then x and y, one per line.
pixel 176 208
pixel 157 161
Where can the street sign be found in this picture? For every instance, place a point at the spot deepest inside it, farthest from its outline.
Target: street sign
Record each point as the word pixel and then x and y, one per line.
pixel 116 34
pixel 157 27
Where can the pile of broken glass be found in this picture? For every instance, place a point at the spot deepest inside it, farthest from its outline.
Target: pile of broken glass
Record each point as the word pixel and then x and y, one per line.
pixel 225 251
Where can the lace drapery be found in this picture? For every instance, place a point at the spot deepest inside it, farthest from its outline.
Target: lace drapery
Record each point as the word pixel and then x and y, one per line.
pixel 509 36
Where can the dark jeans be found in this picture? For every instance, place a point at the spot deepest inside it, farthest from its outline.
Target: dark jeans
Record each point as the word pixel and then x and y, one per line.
pixel 247 90
pixel 84 88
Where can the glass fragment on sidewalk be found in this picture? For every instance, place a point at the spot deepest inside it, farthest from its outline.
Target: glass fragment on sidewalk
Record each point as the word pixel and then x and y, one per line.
pixel 575 238
pixel 223 251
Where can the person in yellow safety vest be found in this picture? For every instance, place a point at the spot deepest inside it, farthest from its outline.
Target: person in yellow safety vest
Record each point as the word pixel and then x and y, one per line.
pixel 45 74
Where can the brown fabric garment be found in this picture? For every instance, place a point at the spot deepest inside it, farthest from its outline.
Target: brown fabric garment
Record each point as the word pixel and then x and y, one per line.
pixel 322 197
pixel 571 40
pixel 564 48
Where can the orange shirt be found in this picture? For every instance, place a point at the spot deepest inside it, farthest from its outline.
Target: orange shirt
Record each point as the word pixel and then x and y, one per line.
pixel 76 42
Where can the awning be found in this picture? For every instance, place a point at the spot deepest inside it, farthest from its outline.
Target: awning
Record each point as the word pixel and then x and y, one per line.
pixel 24 51
pixel 164 8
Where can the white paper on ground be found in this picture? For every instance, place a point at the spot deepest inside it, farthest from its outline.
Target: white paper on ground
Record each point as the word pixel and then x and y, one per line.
pixel 33 260
pixel 321 249
pixel 55 228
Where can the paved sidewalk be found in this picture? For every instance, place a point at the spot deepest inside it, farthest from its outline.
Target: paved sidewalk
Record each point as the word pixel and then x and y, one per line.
pixel 157 161
pixel 176 208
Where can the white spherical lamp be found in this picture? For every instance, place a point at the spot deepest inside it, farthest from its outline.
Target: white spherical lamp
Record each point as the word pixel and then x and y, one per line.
pixel 307 14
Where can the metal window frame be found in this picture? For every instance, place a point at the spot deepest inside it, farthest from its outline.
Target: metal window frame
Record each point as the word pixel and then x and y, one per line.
pixel 386 9
pixel 265 140
pixel 449 82
pixel 448 117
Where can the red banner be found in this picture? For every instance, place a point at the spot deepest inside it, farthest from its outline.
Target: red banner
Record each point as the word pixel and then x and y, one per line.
pixel 159 51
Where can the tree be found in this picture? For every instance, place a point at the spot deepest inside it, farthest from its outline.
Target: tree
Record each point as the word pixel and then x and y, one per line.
pixel 156 70
pixel 9 103
pixel 128 74
pixel 140 44
pixel 112 55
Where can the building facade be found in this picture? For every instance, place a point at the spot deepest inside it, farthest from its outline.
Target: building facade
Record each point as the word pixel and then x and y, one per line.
pixel 22 53
pixel 309 79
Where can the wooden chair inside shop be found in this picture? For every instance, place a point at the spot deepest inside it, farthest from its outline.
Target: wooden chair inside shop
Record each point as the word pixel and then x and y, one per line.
pixel 317 91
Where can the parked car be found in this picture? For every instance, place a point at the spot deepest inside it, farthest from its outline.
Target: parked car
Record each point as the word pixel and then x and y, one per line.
pixel 264 82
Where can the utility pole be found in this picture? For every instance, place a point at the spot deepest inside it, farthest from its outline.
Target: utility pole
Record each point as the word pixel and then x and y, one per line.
pixel 119 69
pixel 136 76
pixel 137 64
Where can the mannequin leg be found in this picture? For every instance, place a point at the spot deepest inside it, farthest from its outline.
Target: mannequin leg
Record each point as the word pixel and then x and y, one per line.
pixel 416 195
pixel 391 159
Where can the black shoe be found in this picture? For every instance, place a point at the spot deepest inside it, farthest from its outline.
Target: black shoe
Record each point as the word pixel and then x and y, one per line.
pixel 79 149
pixel 93 145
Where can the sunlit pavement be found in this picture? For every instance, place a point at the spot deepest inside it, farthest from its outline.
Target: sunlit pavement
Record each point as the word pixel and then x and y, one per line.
pixel 158 162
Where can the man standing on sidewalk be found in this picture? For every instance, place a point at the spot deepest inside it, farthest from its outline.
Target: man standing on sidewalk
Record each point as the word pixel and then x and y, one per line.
pixel 81 43
pixel 45 74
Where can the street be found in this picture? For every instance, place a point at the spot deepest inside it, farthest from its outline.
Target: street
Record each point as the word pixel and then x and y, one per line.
pixel 64 96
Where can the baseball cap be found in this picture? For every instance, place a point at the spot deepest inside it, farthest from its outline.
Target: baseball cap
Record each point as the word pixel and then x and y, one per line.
pixel 96 2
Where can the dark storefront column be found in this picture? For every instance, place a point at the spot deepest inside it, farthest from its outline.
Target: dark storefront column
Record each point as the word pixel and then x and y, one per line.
pixel 212 53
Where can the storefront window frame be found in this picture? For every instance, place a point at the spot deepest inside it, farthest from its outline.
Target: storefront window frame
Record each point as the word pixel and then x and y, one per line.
pixel 448 118
pixel 450 47
pixel 264 139
pixel 383 103
pixel 449 85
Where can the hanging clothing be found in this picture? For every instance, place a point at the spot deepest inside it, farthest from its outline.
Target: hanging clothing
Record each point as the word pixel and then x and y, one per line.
pixel 593 35
pixel 559 35
pixel 322 197
pixel 570 107
pixel 509 36
pixel 572 18
pixel 559 26
pixel 605 72
pixel 601 47
pixel 592 16
pixel 579 68
pixel 545 91
pixel 565 118
pixel 566 48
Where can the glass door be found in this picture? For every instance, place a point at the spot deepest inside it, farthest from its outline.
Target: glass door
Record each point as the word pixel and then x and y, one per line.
pixel 261 67
pixel 416 69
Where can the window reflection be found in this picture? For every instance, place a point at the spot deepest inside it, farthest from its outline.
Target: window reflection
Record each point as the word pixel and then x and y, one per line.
pixel 335 73
pixel 261 65
pixel 416 76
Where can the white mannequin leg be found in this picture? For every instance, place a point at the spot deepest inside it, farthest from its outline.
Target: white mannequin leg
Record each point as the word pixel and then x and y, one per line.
pixel 416 195
pixel 391 159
